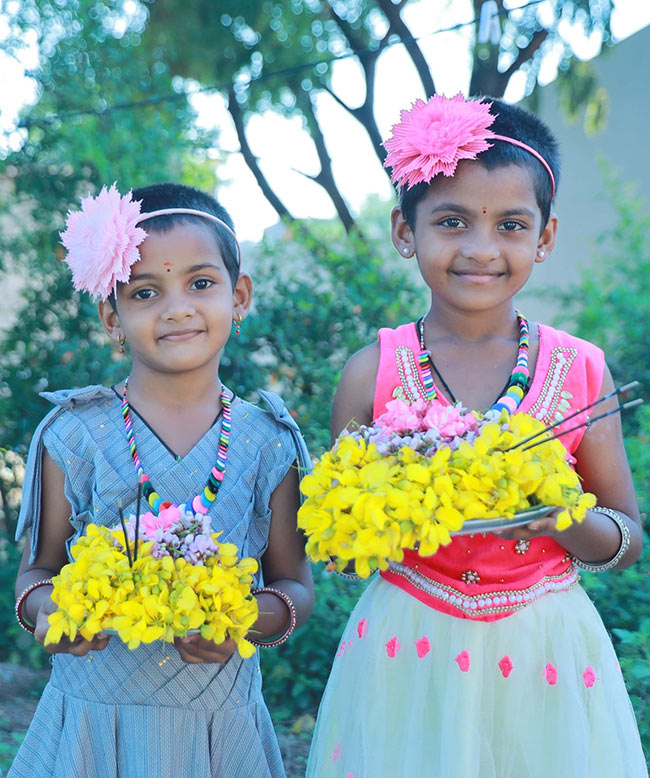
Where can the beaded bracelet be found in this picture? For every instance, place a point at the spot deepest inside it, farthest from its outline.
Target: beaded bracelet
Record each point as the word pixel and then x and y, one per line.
pixel 20 603
pixel 600 567
pixel 292 620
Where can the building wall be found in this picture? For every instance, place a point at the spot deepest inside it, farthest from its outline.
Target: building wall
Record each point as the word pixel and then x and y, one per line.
pixel 584 209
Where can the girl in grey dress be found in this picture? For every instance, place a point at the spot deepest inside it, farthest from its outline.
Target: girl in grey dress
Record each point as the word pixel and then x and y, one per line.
pixel 192 708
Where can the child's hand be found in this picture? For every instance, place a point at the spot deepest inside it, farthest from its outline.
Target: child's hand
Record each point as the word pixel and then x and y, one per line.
pixel 544 526
pixel 196 650
pixel 78 647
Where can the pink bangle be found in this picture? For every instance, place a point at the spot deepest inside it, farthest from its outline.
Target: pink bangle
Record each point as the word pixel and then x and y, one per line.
pixel 292 621
pixel 20 603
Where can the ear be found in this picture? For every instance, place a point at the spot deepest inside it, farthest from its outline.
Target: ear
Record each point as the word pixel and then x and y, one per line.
pixel 546 241
pixel 401 233
pixel 109 319
pixel 242 295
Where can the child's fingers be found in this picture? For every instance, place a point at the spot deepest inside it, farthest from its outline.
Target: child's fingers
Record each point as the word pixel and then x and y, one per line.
pixel 537 528
pixel 194 649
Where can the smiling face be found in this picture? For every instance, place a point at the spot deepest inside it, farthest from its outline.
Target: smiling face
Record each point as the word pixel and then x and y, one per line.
pixel 177 310
pixel 477 236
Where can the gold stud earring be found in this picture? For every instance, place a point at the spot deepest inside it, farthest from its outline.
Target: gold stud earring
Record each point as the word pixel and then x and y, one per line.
pixel 121 340
pixel 237 322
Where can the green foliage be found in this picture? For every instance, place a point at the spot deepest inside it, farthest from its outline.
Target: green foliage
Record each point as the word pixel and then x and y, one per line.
pixel 611 304
pixel 295 673
pixel 611 307
pixel 320 295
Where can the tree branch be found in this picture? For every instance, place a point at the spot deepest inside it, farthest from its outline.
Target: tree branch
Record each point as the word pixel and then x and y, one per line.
pixel 326 177
pixel 528 52
pixel 398 26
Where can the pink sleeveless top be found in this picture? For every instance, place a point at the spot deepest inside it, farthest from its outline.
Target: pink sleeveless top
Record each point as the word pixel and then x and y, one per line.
pixel 483 576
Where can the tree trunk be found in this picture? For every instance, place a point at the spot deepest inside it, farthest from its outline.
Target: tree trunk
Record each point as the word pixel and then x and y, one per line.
pixel 250 159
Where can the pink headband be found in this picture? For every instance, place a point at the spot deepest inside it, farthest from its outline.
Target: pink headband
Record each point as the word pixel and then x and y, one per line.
pixel 193 212
pixel 102 239
pixel 433 137
pixel 532 151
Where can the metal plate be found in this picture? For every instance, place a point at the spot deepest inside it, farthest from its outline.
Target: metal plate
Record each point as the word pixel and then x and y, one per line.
pixel 520 519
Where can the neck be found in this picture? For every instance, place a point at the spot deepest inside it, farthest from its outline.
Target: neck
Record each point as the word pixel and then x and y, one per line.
pixel 174 390
pixel 441 321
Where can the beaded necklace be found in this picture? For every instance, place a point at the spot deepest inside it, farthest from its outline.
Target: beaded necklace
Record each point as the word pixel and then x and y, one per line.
pixel 517 384
pixel 201 502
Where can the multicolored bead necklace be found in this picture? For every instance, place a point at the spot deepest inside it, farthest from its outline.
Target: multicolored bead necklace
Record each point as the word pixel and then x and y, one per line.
pixel 201 502
pixel 517 383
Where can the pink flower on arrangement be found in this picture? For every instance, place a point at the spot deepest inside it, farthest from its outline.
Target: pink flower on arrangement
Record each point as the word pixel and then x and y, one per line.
pixel 463 661
pixel 399 417
pixel 422 646
pixel 550 672
pixel 167 516
pixel 433 137
pixel 392 647
pixel 102 240
pixel 448 420
pixel 362 628
pixel 506 666
pixel 589 677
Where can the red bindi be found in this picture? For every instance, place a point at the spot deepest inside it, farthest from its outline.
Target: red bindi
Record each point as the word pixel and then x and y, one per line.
pixel 484 209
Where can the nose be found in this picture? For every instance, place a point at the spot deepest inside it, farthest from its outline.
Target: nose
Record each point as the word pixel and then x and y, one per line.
pixel 178 308
pixel 481 246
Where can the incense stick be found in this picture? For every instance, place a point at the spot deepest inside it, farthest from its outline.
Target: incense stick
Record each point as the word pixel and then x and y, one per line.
pixel 620 390
pixel 126 537
pixel 137 522
pixel 588 423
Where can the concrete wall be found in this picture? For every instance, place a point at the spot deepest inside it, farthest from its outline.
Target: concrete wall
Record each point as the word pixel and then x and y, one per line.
pixel 583 208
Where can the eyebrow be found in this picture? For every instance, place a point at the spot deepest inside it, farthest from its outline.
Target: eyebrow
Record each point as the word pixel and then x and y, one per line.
pixel 193 269
pixel 456 208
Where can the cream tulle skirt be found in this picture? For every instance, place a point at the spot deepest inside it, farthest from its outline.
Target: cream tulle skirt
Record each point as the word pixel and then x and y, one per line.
pixel 415 693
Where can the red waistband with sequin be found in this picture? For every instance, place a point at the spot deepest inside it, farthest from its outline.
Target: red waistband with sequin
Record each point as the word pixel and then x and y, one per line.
pixel 485 603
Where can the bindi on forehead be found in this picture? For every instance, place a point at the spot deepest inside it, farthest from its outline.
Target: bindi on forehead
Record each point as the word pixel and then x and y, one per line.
pixel 484 209
pixel 168 266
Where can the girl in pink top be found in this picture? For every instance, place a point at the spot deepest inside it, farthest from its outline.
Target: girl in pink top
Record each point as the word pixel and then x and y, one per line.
pixel 486 660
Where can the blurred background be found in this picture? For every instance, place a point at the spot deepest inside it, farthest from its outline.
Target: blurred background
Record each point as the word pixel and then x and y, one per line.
pixel 280 109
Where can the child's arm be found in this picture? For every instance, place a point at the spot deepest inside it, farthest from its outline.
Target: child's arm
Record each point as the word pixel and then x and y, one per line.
pixel 285 568
pixel 602 463
pixel 54 530
pixel 355 393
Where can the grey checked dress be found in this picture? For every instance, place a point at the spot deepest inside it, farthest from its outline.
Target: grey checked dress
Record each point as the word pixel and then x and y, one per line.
pixel 119 713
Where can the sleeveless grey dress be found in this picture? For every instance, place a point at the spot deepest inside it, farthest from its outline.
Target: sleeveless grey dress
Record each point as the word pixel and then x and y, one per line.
pixel 119 713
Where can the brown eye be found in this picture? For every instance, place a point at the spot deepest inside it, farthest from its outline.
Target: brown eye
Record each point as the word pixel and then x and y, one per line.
pixel 453 222
pixel 144 294
pixel 511 226
pixel 202 283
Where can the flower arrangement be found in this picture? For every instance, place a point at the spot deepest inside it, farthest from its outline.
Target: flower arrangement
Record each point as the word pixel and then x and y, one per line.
pixel 420 472
pixel 158 577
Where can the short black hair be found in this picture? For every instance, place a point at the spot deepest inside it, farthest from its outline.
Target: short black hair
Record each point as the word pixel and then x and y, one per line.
pixel 517 123
pixel 168 195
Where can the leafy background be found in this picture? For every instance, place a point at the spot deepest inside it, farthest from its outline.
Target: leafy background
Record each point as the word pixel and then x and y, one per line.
pixel 322 288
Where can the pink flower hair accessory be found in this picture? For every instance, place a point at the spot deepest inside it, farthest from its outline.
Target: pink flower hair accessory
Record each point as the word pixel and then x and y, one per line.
pixel 433 137
pixel 102 239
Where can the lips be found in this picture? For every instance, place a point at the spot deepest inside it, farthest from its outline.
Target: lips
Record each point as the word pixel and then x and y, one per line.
pixel 477 276
pixel 179 336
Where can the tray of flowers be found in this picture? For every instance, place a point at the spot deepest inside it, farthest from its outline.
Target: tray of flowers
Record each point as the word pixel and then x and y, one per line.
pixel 156 577
pixel 424 472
